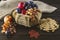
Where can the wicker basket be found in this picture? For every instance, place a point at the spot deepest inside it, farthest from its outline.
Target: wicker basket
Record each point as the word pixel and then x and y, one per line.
pixel 25 19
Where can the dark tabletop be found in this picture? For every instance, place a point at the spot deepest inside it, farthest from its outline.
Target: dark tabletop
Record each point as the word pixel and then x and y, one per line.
pixel 22 32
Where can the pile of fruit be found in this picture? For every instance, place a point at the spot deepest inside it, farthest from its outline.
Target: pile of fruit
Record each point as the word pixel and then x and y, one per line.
pixel 8 26
pixel 27 8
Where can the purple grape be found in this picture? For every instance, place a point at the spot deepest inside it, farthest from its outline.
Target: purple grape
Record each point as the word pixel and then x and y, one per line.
pixel 35 5
pixel 18 10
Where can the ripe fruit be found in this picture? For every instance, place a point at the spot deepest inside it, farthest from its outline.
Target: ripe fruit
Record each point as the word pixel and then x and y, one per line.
pixel 21 5
pixel 35 5
pixel 18 10
pixel 24 11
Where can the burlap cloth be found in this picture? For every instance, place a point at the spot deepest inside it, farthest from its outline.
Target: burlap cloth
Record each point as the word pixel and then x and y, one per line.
pixel 7 6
